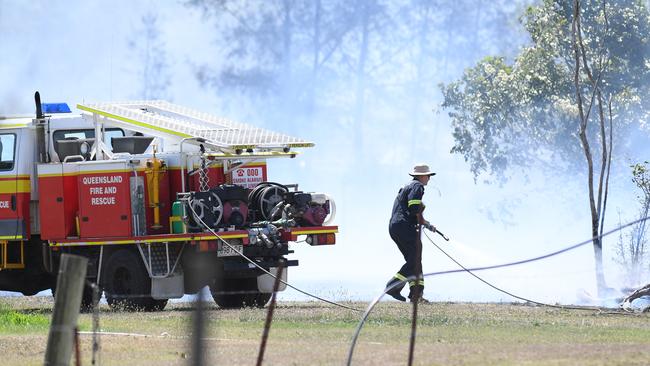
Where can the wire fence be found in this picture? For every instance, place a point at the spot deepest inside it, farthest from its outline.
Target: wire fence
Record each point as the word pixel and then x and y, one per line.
pixel 198 314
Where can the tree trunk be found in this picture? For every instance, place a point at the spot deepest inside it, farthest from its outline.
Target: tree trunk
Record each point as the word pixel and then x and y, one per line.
pixel 285 79
pixel 359 113
pixel 287 28
pixel 416 92
pixel 600 274
pixel 311 96
pixel 584 119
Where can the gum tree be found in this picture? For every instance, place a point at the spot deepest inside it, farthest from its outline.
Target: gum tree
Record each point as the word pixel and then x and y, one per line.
pixel 632 254
pixel 562 102
pixel 149 48
pixel 359 63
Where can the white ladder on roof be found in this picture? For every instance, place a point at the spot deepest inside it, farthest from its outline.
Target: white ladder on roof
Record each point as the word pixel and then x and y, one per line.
pixel 167 120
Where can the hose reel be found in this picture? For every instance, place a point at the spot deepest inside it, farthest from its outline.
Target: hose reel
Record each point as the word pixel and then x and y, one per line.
pixel 206 207
pixel 225 205
pixel 228 206
pixel 265 196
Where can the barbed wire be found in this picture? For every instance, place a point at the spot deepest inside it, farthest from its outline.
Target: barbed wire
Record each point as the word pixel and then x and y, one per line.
pixel 95 288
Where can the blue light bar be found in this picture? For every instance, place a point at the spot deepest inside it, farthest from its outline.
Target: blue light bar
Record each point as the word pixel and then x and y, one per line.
pixel 55 108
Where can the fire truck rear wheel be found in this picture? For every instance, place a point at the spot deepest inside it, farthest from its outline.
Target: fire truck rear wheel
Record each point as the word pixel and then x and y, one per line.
pixel 239 293
pixel 127 283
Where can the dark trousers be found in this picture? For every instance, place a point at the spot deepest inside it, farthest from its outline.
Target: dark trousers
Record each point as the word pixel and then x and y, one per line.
pixel 405 236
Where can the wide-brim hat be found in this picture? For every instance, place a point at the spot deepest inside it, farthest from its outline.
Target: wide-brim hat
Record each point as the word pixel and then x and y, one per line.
pixel 421 169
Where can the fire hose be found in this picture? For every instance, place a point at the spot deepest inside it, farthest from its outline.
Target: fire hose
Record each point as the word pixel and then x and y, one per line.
pixel 263 269
pixel 471 271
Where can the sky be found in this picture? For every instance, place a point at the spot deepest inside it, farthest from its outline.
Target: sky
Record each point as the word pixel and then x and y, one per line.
pixel 76 51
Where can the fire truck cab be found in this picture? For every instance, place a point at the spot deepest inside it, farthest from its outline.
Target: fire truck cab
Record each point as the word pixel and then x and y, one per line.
pixel 163 200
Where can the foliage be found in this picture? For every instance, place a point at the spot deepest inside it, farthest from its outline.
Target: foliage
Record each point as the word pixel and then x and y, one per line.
pixel 355 64
pixel 641 178
pixel 12 320
pixel 511 115
pixel 632 253
pixel 580 81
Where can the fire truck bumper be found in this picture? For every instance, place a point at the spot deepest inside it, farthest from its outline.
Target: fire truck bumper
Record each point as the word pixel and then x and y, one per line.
pixel 239 269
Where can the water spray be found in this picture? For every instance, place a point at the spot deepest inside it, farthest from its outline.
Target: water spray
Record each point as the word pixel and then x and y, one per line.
pixel 471 271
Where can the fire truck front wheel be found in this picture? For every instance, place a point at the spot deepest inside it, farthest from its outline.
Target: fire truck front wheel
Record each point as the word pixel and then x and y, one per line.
pixel 127 284
pixel 238 293
pixel 87 303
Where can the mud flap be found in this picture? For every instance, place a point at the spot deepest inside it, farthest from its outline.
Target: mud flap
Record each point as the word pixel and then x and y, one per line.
pixel 265 282
pixel 171 287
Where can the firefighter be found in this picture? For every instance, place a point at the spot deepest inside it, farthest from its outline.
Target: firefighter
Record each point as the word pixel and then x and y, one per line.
pixel 404 221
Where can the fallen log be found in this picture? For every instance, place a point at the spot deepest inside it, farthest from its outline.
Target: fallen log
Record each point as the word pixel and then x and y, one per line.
pixel 643 291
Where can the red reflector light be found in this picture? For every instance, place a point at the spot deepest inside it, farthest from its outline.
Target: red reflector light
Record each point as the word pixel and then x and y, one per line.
pixel 204 246
pixel 326 239
pixel 207 246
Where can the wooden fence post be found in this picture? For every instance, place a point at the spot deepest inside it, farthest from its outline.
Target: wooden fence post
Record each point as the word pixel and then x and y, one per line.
pixel 69 288
pixel 198 325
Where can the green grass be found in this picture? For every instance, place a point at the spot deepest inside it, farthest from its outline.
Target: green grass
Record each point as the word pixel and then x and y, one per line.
pixel 317 334
pixel 21 321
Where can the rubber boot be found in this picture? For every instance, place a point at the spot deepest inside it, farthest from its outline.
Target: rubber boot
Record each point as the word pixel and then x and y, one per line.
pixel 416 294
pixel 395 291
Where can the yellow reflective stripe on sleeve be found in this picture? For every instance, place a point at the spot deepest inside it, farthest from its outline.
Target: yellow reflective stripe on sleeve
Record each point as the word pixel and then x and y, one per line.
pixel 414 202
pixel 400 277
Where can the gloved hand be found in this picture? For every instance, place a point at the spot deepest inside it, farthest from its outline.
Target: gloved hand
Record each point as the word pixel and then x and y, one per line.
pixel 429 226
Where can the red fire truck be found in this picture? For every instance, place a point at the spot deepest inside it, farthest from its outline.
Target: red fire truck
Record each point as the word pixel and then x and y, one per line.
pixel 163 200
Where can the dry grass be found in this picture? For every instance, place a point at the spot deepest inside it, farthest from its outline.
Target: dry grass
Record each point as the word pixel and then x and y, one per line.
pixel 316 334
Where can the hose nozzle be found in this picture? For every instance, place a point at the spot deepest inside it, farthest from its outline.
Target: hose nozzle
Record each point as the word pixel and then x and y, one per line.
pixel 433 229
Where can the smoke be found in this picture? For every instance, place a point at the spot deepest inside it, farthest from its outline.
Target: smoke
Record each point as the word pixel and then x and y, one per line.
pixel 369 129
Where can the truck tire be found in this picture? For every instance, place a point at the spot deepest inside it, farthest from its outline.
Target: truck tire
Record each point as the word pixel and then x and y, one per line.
pixel 127 283
pixel 239 293
pixel 87 304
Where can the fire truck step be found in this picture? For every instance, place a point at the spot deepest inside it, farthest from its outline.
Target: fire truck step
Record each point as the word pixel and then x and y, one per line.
pixel 12 254
pixel 160 258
